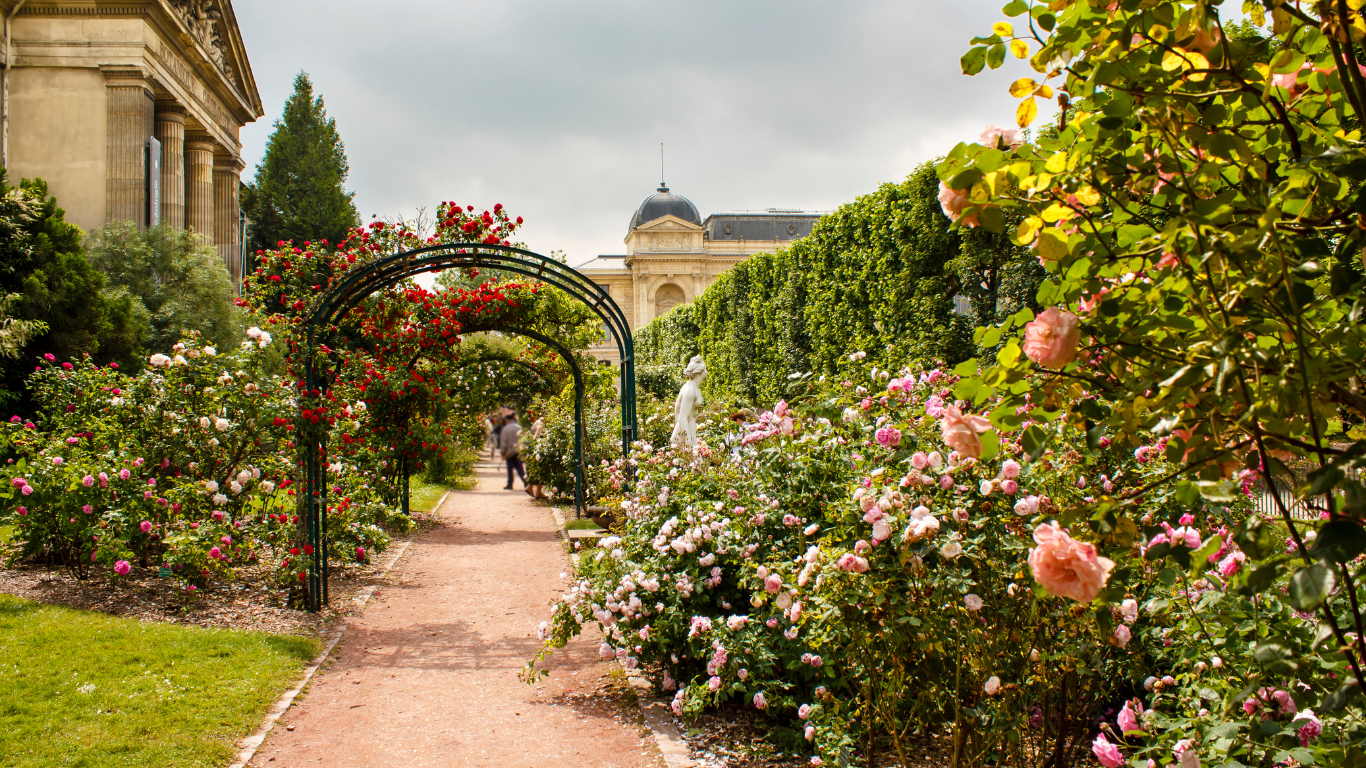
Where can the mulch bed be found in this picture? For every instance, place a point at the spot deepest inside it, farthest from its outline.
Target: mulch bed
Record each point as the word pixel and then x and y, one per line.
pixel 250 602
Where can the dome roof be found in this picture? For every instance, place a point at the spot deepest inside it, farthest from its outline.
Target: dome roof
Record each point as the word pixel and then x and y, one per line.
pixel 665 203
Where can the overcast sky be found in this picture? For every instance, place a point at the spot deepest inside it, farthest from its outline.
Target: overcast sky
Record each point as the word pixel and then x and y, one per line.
pixel 556 108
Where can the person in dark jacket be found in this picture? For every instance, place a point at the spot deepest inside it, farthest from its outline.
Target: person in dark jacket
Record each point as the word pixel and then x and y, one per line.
pixel 509 439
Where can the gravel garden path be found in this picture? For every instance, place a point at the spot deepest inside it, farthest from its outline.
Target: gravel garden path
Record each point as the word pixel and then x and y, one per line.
pixel 426 675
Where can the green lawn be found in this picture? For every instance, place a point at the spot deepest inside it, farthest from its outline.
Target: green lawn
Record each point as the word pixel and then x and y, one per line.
pixel 79 688
pixel 422 497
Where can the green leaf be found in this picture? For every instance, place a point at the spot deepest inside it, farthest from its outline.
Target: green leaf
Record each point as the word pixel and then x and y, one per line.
pixel 1277 658
pixel 1321 481
pixel 1339 541
pixel 1337 700
pixel 992 219
pixel 966 368
pixel 1260 579
pixel 1200 557
pixel 1255 538
pixel 991 445
pixel 996 55
pixel 1219 492
pixel 1309 587
pixel 973 61
pixel 1015 8
pixel 1034 441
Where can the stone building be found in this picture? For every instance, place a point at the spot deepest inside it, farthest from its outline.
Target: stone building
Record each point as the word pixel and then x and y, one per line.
pixel 130 110
pixel 673 254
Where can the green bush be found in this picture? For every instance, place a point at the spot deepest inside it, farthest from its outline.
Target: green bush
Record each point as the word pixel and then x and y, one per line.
pixel 879 274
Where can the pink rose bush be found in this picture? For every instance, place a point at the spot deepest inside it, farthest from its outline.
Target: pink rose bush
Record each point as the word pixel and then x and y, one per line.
pixel 138 484
pixel 749 587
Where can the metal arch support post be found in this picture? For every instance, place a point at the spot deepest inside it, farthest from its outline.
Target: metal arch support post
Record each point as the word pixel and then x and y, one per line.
pixel 392 270
pixel 568 356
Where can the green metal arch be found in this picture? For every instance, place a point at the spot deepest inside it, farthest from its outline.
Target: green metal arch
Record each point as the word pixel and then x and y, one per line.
pixel 393 270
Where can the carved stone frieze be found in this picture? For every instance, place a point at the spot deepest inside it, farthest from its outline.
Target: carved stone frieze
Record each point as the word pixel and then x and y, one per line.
pixel 202 18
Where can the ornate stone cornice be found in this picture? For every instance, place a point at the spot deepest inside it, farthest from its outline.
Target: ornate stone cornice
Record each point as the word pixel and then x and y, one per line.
pixel 202 18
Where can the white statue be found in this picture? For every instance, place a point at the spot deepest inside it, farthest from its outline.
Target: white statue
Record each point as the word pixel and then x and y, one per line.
pixel 687 405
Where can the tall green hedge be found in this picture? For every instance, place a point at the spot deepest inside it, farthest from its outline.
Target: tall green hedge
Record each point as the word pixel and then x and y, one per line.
pixel 878 275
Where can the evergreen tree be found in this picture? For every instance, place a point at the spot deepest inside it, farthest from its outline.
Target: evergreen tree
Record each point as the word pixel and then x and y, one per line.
pixel 298 193
pixel 56 291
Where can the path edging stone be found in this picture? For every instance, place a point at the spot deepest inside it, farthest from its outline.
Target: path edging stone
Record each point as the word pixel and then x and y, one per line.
pixel 247 747
pixel 654 710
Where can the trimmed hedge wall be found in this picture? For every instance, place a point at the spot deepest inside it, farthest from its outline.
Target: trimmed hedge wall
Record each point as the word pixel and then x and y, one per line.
pixel 879 275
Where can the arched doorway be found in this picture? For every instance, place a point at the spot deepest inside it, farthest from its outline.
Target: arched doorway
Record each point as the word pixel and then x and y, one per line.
pixel 667 297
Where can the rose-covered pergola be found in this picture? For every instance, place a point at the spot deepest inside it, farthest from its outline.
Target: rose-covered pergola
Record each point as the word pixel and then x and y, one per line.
pixel 348 294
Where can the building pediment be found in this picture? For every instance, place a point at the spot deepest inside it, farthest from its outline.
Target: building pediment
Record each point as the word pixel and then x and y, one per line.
pixel 669 223
pixel 211 25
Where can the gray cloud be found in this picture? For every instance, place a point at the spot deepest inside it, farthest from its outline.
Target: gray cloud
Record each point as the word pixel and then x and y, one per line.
pixel 556 109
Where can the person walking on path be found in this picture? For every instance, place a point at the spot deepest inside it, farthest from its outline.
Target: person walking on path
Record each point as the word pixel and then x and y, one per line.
pixel 508 444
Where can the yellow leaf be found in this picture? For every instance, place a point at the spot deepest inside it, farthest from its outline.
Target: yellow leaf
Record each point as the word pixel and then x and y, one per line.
pixel 1172 61
pixel 1088 196
pixel 1028 230
pixel 1026 113
pixel 1020 48
pixel 1052 245
pixel 1044 92
pixel 1281 21
pixel 1022 87
pixel 1197 61
pixel 1002 29
pixel 1057 163
pixel 1057 212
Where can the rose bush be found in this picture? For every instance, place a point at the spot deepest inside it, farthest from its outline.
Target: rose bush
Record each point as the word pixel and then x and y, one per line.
pixel 847 563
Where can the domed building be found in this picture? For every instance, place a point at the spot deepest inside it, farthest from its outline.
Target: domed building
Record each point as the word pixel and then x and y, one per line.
pixel 673 254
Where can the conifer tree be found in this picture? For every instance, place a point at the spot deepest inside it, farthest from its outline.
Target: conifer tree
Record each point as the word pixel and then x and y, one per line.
pixel 298 193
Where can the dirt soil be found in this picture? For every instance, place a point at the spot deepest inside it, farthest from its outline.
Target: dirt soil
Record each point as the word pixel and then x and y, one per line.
pixel 427 674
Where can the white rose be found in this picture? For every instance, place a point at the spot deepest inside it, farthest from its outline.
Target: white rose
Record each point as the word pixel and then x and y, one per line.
pixel 951 550
pixel 235 487
pixel 160 361
pixel 222 425
pixel 973 602
pixel 243 476
pixel 220 499
pixel 204 422
pixel 211 485
pixel 210 351
pixel 267 486
pixel 254 332
pixel 993 685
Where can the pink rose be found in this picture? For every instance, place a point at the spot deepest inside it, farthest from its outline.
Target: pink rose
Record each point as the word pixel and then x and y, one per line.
pixel 1067 567
pixel 146 526
pixel 996 137
pixel 88 481
pixel 888 437
pixel 215 553
pixel 1128 717
pixel 1009 486
pixel 122 567
pixel 759 701
pixel 1122 635
pixel 953 201
pixel 1232 564
pixel 1010 469
pixel 1051 338
pixel 960 432
pixel 781 409
pixel 124 474
pixel 920 460
pixel 1108 754
pixel 773 583
pixel 851 562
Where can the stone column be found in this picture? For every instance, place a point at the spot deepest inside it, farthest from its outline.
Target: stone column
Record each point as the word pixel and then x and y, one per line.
pixel 227 214
pixel 199 184
pixel 171 134
pixel 699 284
pixel 129 115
